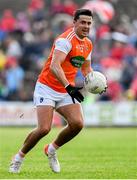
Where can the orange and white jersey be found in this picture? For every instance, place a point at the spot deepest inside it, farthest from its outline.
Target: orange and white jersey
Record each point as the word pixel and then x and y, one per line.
pixel 77 51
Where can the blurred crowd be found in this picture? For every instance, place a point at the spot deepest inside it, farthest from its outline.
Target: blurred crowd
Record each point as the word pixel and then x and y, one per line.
pixel 27 36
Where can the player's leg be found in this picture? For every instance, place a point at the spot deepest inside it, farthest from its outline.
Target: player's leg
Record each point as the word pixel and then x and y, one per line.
pixel 73 115
pixel 44 116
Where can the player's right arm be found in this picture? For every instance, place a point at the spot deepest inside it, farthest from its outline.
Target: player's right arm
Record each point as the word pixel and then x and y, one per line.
pixel 57 59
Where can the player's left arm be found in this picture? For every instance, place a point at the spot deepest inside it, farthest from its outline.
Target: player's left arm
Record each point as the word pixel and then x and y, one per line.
pixel 86 67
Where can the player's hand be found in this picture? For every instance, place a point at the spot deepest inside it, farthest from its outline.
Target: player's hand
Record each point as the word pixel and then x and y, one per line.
pixel 103 90
pixel 74 93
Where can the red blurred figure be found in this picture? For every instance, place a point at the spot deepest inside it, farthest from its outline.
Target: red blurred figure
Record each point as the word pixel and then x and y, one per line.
pixel 56 7
pixel 117 51
pixel 109 62
pixel 70 7
pixel 114 91
pixel 36 5
pixel 8 21
pixel 102 30
pixel 11 62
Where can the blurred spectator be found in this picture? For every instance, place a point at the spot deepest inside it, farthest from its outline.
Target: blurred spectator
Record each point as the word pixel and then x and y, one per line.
pixel 70 7
pixel 117 51
pixel 3 35
pixel 3 60
pixel 133 88
pixel 102 31
pixel 36 11
pixel 132 91
pixel 13 47
pixel 56 7
pixel 129 54
pixel 22 22
pixel 8 21
pixel 36 5
pixel 14 76
pixel 127 74
pixel 112 68
pixel 3 88
pixel 114 92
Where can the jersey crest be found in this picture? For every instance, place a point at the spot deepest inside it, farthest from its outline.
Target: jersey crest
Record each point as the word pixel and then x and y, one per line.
pixel 77 61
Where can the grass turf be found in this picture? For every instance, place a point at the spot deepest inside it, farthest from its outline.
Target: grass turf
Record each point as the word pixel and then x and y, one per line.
pixel 105 153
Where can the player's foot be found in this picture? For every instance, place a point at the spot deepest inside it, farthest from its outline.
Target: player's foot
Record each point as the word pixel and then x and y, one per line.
pixel 53 160
pixel 15 165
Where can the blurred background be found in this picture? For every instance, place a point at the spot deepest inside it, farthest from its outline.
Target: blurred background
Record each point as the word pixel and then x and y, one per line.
pixel 27 31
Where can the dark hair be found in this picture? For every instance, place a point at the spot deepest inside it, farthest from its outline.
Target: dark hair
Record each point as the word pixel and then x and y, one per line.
pixel 79 12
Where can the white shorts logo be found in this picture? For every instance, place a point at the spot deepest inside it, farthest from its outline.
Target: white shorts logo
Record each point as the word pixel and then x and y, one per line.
pixel 41 99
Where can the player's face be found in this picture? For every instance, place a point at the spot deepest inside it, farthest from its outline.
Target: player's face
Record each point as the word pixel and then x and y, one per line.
pixel 82 25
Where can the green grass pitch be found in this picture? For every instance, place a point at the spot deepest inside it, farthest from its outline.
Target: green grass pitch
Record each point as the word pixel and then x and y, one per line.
pixel 96 153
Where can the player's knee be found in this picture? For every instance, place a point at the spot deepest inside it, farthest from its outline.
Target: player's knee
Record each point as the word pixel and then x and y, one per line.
pixel 44 131
pixel 80 125
pixel 77 125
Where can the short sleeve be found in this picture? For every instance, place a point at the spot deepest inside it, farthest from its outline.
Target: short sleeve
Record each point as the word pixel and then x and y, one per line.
pixel 63 45
pixel 89 56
